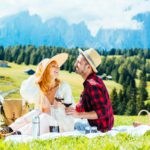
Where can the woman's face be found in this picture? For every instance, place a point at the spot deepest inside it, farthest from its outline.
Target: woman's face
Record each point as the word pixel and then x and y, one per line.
pixel 54 71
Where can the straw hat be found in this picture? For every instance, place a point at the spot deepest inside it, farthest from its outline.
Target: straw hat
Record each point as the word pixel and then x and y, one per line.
pixel 93 58
pixel 59 58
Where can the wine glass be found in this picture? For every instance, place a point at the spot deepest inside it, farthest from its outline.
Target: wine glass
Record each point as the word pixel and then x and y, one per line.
pixel 1 115
pixel 67 103
pixel 59 96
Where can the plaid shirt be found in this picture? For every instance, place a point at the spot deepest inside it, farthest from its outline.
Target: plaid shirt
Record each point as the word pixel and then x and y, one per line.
pixel 95 98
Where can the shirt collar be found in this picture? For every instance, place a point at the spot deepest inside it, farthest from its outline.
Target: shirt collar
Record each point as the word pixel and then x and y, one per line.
pixel 90 76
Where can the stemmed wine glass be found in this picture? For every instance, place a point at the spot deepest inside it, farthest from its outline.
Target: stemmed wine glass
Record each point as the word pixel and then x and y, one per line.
pixel 67 104
pixel 59 96
pixel 1 115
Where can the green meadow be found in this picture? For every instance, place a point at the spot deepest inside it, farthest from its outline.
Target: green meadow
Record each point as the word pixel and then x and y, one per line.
pixel 11 78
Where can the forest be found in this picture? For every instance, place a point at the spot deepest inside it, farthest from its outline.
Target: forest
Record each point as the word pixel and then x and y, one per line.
pixel 130 68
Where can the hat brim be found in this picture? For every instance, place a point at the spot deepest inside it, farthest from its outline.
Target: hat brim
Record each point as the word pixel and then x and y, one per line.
pixel 83 53
pixel 59 58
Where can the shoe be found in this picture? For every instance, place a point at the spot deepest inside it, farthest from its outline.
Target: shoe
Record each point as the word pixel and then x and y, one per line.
pixel 5 131
pixel 16 133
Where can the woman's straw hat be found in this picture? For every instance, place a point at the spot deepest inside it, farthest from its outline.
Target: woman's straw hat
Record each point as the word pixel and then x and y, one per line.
pixel 59 58
pixel 93 58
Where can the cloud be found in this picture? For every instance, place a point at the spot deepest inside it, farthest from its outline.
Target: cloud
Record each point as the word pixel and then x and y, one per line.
pixel 96 13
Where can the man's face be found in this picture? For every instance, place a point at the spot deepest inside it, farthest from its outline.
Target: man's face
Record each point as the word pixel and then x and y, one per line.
pixel 81 65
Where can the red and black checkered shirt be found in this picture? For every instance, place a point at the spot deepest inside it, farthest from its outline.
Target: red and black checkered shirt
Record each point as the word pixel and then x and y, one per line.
pixel 95 98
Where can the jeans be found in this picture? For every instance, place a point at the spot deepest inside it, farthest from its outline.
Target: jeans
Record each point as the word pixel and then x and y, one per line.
pixel 80 125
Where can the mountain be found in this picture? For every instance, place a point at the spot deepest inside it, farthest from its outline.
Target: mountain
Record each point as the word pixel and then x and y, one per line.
pixel 23 28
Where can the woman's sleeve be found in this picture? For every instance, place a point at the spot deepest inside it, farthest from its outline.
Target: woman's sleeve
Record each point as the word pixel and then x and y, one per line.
pixel 30 91
pixel 67 93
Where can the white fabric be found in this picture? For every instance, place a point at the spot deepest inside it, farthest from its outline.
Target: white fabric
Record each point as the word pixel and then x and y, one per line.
pixel 30 91
pixel 1 99
pixel 65 122
pixel 24 123
pixel 134 131
pixel 65 91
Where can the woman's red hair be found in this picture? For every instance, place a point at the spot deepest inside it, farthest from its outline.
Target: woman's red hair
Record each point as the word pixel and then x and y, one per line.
pixel 46 80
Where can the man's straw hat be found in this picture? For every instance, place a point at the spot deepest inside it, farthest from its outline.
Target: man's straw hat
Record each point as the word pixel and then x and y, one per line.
pixel 59 58
pixel 93 58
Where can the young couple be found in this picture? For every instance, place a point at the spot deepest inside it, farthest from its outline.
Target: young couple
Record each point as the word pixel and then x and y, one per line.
pixel 94 104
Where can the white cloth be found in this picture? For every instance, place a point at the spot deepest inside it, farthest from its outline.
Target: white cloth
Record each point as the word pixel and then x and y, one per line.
pixel 133 131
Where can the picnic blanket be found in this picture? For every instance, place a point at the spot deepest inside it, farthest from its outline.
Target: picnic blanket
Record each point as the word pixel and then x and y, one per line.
pixel 134 131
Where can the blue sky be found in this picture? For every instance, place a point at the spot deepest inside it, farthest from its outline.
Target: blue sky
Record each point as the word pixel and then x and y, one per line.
pixel 95 13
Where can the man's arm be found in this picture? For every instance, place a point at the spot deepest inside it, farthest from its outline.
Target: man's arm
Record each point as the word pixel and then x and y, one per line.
pixel 85 115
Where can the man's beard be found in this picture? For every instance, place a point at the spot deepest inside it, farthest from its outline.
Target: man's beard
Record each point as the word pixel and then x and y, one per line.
pixel 80 72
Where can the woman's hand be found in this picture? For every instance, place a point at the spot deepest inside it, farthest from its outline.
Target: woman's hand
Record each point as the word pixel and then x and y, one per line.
pixel 58 104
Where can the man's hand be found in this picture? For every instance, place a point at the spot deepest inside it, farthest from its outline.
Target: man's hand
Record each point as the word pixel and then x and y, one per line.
pixel 85 115
pixel 72 111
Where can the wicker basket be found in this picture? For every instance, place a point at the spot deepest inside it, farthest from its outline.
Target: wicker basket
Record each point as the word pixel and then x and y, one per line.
pixel 13 109
pixel 139 122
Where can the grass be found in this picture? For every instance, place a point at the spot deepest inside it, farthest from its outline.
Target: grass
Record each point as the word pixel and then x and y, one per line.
pixel 121 141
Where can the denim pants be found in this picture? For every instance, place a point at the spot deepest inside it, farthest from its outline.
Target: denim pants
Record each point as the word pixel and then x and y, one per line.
pixel 81 124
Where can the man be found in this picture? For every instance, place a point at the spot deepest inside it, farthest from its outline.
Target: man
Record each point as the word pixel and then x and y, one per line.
pixel 94 104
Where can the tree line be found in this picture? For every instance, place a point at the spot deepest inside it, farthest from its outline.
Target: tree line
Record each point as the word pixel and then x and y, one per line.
pixel 125 67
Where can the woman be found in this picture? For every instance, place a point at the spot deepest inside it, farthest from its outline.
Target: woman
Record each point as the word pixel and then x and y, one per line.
pixel 42 89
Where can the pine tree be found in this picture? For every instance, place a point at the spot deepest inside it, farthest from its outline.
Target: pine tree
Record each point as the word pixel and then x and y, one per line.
pixel 114 99
pixel 131 95
pixel 121 103
pixel 21 57
pixel 8 56
pixel 2 54
pixel 142 91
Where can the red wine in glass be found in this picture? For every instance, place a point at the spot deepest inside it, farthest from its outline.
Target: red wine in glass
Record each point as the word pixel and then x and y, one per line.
pixel 67 104
pixel 59 99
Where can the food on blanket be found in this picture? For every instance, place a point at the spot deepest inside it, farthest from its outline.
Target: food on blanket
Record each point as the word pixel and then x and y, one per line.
pixel 87 130
pixel 54 128
pixel 94 129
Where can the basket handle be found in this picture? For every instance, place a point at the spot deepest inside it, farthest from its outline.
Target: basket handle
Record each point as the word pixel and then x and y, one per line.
pixel 143 110
pixel 148 113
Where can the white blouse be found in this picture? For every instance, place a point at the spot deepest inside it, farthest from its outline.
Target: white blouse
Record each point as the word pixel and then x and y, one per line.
pixel 30 91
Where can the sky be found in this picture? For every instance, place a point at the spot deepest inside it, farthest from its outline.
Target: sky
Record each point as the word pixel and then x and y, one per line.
pixel 95 13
